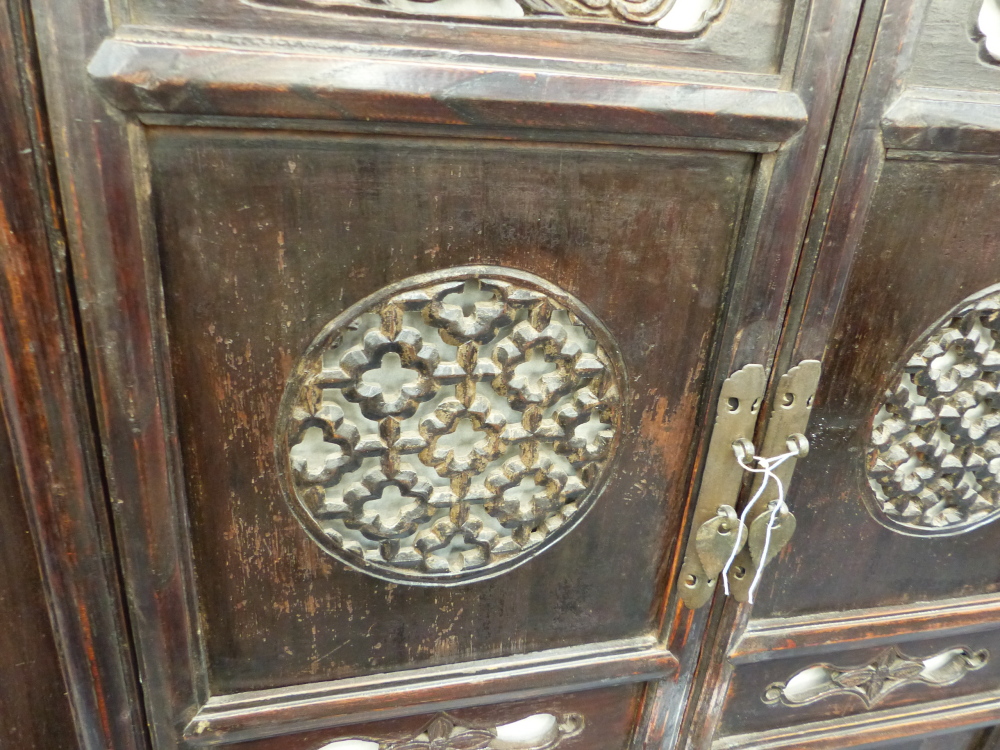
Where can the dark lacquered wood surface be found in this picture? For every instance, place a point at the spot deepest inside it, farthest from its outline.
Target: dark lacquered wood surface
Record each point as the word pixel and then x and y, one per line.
pixel 67 672
pixel 309 225
pixel 34 710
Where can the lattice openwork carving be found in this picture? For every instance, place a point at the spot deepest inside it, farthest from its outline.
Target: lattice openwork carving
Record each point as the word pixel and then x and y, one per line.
pixel 451 426
pixel 679 17
pixel 934 457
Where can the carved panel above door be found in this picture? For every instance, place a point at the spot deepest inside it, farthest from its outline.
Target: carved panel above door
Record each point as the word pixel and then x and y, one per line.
pixel 686 17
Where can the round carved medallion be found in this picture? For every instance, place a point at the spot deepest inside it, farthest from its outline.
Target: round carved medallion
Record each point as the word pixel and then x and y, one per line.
pixel 451 426
pixel 934 456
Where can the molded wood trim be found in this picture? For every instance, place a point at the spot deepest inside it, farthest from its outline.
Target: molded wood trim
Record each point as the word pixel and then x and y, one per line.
pixel 266 713
pixel 42 388
pixel 940 120
pixel 835 631
pixel 186 76
pixel 872 729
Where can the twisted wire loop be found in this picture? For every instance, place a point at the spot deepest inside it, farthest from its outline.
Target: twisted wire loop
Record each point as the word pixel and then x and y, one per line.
pixel 934 454
pixel 448 429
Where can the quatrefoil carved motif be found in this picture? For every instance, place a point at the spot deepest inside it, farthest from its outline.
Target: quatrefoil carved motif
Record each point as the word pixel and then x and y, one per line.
pixel 491 447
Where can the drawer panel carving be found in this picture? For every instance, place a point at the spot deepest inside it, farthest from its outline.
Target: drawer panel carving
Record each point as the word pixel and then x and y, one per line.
pixel 873 681
pixel 590 720
pixel 852 680
pixel 535 732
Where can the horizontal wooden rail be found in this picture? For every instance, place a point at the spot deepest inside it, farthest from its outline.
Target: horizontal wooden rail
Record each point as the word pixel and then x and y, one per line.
pixel 191 77
pixel 266 713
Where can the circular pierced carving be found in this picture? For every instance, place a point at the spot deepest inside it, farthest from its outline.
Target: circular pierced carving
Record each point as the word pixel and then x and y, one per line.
pixel 934 456
pixel 451 426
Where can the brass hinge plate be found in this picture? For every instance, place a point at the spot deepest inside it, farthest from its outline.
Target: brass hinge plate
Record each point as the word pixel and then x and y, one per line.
pixel 738 407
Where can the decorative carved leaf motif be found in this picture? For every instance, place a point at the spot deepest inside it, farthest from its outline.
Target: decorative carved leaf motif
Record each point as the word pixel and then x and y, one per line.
pixel 452 425
pixel 934 453
pixel 444 733
pixel 872 682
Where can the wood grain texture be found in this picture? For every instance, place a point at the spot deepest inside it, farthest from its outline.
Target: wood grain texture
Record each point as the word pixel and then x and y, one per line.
pixel 328 221
pixel 264 713
pixel 931 240
pixel 185 76
pixel 777 225
pixel 98 155
pixel 971 739
pixel 877 729
pixel 821 633
pixel 34 708
pixel 947 54
pixel 948 121
pixel 49 470
pixel 748 42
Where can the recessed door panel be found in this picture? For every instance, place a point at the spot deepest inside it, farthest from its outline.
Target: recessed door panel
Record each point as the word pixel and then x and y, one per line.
pixel 264 241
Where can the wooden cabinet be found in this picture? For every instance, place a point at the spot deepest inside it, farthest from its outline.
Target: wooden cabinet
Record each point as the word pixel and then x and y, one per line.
pixel 379 372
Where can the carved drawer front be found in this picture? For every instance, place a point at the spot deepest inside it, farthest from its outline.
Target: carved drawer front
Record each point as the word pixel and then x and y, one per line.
pixel 592 720
pixel 794 689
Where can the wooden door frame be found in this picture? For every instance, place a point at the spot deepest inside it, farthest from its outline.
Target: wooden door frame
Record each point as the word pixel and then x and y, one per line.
pixel 100 148
pixel 45 405
pixel 878 113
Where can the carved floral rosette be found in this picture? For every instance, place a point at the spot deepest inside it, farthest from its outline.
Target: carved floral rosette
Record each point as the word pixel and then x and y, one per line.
pixel 934 451
pixel 451 426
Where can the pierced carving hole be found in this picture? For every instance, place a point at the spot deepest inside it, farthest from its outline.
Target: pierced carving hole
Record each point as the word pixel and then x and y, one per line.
pixel 989 26
pixel 523 494
pixel 527 733
pixel 809 401
pixel 472 292
pixel 691 580
pixel 733 403
pixel 462 440
pixel 315 451
pixel 534 368
pixel 689 16
pixel 739 571
pixel 592 428
pixel 788 399
pixel 807 684
pixel 391 376
pixel 389 505
pixel 756 406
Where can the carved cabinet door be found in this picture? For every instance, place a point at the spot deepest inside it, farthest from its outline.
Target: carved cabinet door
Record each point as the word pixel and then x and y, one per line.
pixel 406 324
pixel 878 625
